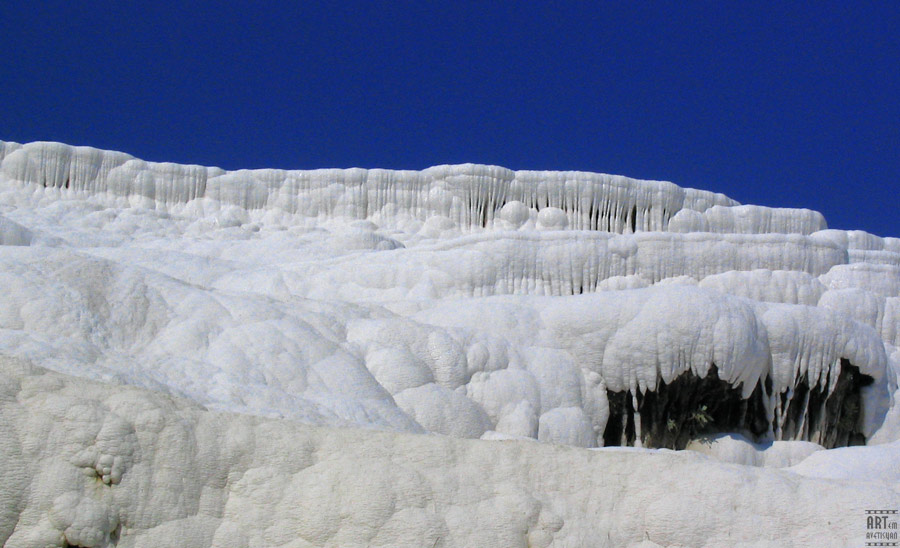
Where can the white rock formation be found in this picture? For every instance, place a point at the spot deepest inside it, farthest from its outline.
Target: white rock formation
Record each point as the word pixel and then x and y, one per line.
pixel 198 357
pixel 184 476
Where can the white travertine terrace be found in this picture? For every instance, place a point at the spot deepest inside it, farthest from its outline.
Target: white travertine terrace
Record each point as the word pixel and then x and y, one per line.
pixel 190 356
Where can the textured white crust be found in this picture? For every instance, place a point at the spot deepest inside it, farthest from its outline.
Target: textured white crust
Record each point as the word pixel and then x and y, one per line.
pixel 191 477
pixel 308 309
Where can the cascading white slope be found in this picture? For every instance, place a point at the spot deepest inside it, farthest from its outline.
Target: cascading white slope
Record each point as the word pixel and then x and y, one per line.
pixel 472 301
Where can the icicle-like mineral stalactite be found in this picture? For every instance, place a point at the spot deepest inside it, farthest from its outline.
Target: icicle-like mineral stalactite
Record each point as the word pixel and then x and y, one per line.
pixel 690 407
pixel 470 196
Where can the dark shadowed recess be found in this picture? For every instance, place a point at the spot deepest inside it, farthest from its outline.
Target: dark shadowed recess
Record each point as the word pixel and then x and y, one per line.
pixel 692 406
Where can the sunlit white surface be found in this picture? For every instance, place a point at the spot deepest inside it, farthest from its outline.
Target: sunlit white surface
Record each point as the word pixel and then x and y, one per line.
pixel 470 301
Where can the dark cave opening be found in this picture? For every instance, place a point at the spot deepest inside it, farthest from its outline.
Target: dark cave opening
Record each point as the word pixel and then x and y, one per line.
pixel 691 406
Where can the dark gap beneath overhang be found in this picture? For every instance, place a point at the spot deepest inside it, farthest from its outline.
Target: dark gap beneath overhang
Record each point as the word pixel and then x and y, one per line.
pixel 691 406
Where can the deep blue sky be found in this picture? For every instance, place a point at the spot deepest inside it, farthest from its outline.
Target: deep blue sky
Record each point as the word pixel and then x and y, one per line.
pixel 784 106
